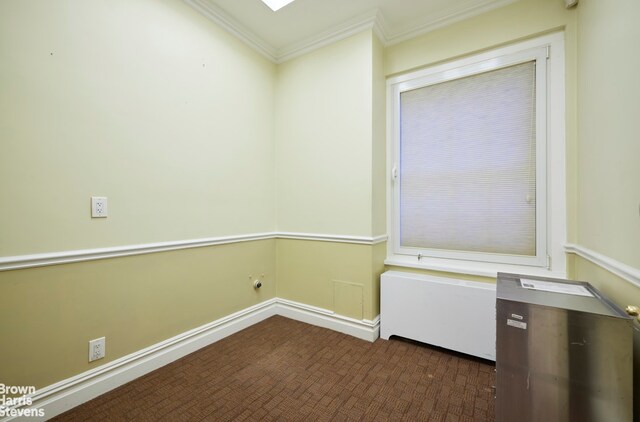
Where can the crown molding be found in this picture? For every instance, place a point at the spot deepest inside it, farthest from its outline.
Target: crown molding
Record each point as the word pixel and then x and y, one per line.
pixel 381 28
pixel 339 32
pixel 449 19
pixel 225 21
pixel 373 20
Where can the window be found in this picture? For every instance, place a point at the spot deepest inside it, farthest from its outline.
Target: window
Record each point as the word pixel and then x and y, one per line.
pixel 474 156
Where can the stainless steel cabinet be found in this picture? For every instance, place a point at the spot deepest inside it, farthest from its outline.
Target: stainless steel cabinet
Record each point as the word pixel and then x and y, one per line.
pixel 563 353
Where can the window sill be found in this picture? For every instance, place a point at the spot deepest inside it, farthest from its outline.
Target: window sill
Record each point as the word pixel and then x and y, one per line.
pixel 483 269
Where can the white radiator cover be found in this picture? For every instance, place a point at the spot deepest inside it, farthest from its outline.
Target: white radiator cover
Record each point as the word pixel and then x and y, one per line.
pixel 454 314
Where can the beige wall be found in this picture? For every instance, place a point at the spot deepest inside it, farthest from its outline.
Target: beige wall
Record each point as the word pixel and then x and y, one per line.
pixel 170 117
pixel 379 141
pixel 149 103
pixel 609 129
pixel 323 140
pixel 340 277
pixel 145 102
pixel 608 190
pixel 134 302
pixel 330 166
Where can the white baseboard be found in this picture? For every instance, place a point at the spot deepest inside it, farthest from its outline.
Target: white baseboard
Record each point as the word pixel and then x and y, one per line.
pixel 362 329
pixel 67 394
pixel 64 395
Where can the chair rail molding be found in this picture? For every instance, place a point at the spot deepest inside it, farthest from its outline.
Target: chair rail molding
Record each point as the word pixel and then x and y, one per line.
pixel 67 257
pixel 624 271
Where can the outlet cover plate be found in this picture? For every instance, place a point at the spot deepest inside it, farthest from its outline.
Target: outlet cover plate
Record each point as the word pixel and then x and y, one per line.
pixel 97 349
pixel 98 206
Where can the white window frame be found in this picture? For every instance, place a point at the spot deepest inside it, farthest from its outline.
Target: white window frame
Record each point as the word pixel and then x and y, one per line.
pixel 548 51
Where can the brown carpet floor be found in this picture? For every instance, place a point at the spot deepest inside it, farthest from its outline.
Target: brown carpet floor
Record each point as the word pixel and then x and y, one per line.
pixel 284 370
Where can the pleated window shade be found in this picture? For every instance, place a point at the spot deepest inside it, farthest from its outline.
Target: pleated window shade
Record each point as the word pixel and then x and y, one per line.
pixel 468 165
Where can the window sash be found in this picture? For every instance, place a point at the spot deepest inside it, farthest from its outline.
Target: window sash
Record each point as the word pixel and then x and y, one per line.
pixel 453 71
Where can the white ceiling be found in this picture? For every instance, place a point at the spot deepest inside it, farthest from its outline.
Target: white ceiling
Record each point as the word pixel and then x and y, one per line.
pixel 307 24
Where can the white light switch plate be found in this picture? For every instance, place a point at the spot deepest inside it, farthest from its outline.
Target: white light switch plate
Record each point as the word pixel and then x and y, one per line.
pixel 98 206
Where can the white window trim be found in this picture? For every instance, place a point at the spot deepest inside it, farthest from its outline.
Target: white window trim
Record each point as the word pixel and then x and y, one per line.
pixel 554 213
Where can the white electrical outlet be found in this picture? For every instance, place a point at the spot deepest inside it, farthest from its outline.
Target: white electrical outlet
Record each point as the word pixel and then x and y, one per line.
pixel 98 206
pixel 96 349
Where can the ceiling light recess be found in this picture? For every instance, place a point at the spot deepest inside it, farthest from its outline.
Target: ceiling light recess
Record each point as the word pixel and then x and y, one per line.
pixel 276 5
